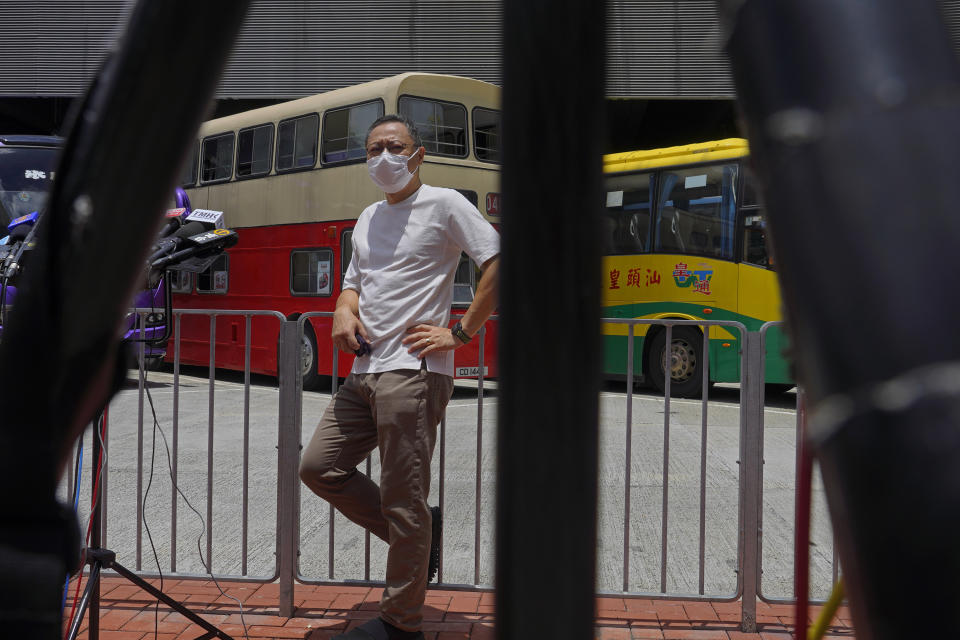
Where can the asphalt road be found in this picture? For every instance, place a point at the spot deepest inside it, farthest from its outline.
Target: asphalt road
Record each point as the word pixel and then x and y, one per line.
pixel 468 518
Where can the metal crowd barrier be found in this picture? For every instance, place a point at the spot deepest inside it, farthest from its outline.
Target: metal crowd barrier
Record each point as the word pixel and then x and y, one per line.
pixel 441 489
pixel 287 568
pixel 747 472
pixel 834 563
pixel 208 558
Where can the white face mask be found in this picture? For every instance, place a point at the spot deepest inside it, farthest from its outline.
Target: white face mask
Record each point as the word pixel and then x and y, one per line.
pixel 389 171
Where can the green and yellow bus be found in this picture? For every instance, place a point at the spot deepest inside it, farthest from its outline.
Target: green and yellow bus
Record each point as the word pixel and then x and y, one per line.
pixel 685 238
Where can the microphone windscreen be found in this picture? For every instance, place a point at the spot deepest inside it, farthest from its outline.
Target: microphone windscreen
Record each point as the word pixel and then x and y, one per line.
pixel 172 224
pixel 190 229
pixel 19 233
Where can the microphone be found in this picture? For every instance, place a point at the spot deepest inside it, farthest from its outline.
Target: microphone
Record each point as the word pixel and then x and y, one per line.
pixel 169 244
pixel 199 245
pixel 14 247
pixel 19 233
pixel 174 221
pixel 213 219
pixel 24 221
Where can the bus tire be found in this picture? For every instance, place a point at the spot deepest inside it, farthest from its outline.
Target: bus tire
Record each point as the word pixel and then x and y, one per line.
pixel 685 362
pixel 308 358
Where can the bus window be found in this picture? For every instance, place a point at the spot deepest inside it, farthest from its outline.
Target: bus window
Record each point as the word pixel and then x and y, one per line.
pixel 310 271
pixel 217 154
pixel 188 175
pixel 696 211
pixel 755 239
pixel 345 131
pixel 756 251
pixel 346 252
pixel 626 218
pixel 464 282
pixel 751 190
pixel 254 151
pixel 181 281
pixel 26 177
pixel 486 134
pixel 297 143
pixel 442 125
pixel 216 278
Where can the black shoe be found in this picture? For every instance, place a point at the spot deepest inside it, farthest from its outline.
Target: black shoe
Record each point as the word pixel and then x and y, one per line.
pixel 379 629
pixel 436 537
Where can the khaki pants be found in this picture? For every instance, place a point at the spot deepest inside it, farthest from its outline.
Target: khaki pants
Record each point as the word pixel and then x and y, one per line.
pixel 396 412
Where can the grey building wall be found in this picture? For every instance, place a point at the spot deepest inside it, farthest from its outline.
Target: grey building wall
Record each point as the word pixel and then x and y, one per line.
pixel 291 48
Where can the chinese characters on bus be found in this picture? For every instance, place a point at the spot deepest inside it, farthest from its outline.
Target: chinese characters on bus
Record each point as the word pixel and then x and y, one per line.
pixel 698 280
pixel 635 278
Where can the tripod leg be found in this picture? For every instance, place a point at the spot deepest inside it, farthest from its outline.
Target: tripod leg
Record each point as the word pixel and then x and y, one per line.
pixel 170 602
pixel 93 585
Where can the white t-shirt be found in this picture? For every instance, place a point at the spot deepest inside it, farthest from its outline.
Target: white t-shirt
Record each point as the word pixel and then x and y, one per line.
pixel 404 259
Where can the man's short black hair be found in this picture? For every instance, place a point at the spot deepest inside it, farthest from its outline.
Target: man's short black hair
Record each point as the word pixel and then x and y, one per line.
pixel 404 120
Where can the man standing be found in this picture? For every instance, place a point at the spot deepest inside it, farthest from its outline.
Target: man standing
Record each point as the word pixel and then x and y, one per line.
pixel 394 313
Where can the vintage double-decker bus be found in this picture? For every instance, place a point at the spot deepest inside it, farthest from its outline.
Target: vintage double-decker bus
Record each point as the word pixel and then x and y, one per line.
pixel 291 179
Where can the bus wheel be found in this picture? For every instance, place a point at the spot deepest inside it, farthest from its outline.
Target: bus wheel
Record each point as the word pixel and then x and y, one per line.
pixel 308 358
pixel 686 369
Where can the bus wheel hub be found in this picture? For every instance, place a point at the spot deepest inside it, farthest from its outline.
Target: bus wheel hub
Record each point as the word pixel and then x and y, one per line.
pixel 683 361
pixel 306 354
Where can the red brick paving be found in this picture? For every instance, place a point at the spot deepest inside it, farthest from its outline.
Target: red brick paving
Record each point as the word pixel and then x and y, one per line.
pixel 127 613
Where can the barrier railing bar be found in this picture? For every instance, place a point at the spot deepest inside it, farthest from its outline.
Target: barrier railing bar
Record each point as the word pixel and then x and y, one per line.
pixel 655 595
pixel 288 455
pixel 797 475
pixel 751 476
pixel 443 473
pixel 627 465
pixel 761 428
pixel 836 563
pixel 227 312
pixel 210 420
pixel 366 533
pixel 330 542
pixel 480 362
pixel 104 472
pixel 704 395
pixel 248 320
pixel 175 437
pixel 476 512
pixel 667 376
pixel 139 518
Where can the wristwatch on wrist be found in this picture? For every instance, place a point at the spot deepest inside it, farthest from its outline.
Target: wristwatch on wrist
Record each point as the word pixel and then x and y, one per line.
pixel 460 333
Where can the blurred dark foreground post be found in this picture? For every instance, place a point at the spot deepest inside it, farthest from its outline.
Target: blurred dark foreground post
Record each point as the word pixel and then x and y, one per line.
pixel 853 111
pixel 59 358
pixel 553 71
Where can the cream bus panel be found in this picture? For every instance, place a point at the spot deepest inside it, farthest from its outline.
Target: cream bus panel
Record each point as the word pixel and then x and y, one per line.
pixel 326 194
pixel 332 192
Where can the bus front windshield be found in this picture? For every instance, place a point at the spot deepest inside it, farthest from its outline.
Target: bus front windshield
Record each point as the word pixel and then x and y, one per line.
pixel 26 175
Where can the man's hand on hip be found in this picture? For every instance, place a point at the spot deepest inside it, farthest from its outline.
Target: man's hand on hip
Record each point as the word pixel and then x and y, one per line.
pixel 425 338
